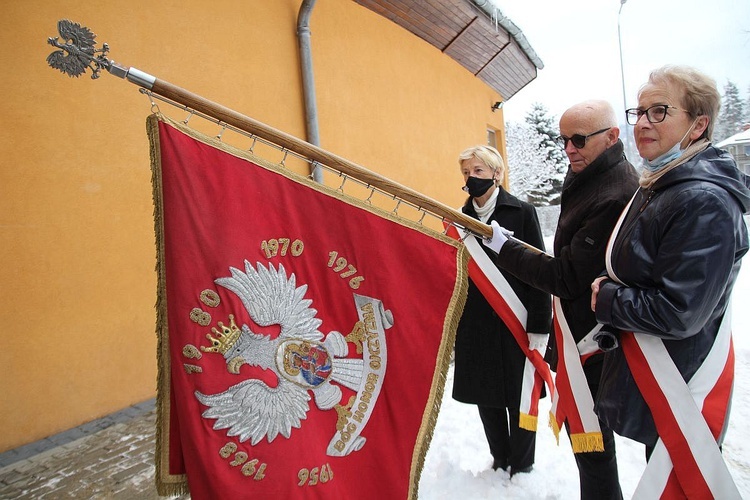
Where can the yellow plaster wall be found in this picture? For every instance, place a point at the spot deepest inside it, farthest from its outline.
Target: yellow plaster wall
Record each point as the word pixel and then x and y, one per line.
pixel 78 282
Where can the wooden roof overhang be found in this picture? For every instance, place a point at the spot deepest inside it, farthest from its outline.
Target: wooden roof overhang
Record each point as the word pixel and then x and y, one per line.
pixel 494 50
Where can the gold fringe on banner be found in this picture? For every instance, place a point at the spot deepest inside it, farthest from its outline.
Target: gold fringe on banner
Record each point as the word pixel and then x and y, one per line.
pixel 166 484
pixel 435 401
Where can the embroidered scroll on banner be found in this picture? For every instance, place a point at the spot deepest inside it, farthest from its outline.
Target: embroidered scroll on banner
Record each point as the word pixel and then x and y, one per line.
pixel 304 336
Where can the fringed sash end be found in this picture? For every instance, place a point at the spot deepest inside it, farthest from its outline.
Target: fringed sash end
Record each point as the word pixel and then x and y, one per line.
pixel 587 442
pixel 528 422
pixel 555 428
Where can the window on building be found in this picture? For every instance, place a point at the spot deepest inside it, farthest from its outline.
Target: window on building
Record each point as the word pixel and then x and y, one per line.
pixel 747 149
pixel 492 137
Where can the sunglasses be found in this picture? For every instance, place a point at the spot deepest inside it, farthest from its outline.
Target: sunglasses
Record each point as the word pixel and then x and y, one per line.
pixel 578 140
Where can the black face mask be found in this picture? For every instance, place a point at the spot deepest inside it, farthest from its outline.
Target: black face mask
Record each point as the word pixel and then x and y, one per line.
pixel 476 187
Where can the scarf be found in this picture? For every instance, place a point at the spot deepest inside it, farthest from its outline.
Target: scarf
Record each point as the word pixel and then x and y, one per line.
pixel 485 211
pixel 648 178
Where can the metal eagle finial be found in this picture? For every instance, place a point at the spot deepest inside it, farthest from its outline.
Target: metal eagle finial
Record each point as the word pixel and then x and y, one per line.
pixel 78 52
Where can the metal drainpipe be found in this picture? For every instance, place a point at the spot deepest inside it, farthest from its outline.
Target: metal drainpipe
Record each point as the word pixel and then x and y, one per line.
pixel 308 80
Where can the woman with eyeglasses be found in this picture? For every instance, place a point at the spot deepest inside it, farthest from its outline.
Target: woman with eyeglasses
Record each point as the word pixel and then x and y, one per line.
pixel 672 261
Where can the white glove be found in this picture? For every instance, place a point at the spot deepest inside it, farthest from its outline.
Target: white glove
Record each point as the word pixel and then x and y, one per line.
pixel 538 342
pixel 499 237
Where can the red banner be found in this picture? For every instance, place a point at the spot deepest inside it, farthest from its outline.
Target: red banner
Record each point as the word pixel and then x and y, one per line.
pixel 303 336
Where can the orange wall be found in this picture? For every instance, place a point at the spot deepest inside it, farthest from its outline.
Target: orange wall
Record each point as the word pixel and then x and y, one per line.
pixel 78 284
pixel 392 102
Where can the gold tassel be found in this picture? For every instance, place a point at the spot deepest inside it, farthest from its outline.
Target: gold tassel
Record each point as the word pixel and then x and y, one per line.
pixel 587 441
pixel 528 422
pixel 554 427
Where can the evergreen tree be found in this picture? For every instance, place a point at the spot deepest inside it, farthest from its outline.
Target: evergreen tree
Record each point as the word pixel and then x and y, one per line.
pixel 532 176
pixel 732 114
pixel 548 192
pixel 539 119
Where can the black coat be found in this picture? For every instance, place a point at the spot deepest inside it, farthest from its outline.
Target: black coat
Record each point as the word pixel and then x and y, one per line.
pixel 591 203
pixel 678 251
pixel 489 363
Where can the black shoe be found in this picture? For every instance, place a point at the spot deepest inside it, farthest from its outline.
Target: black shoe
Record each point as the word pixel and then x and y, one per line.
pixel 525 470
pixel 499 464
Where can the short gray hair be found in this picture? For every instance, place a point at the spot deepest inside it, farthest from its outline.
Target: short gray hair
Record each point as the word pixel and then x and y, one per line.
pixel 700 97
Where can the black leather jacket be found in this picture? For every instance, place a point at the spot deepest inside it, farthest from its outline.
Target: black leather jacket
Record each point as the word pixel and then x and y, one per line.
pixel 678 252
pixel 592 201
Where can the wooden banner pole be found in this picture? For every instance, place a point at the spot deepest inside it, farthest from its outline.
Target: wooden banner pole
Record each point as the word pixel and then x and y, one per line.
pixel 74 58
pixel 247 124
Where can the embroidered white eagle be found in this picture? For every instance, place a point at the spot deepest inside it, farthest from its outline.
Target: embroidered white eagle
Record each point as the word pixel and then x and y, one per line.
pixel 302 359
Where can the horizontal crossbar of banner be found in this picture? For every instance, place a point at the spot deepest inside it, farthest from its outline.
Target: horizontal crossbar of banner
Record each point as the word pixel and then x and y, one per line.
pixel 316 153
pixel 418 216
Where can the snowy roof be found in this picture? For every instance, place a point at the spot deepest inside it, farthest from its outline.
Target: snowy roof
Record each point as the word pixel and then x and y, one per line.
pixel 741 138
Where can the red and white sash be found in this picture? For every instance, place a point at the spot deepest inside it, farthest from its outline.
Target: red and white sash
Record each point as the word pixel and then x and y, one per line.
pixel 690 417
pixel 499 294
pixel 572 399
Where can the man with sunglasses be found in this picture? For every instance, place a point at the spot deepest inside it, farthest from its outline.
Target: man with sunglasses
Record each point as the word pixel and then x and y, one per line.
pixel 599 183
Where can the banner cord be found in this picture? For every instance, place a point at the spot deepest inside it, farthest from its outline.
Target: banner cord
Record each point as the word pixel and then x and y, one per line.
pixel 421 211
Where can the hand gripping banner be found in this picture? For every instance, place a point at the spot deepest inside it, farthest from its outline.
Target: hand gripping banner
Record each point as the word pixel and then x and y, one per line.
pixel 303 336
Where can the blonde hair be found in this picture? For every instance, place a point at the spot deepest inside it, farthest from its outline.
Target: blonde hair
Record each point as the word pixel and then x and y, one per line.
pixel 700 97
pixel 487 155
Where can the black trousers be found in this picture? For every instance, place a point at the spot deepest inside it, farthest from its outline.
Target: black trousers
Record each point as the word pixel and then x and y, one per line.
pixel 509 444
pixel 597 471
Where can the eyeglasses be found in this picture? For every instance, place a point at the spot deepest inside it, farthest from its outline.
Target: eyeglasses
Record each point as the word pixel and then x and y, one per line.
pixel 578 140
pixel 655 114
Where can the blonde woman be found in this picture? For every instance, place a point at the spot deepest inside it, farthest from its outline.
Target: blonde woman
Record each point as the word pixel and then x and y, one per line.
pixel 489 363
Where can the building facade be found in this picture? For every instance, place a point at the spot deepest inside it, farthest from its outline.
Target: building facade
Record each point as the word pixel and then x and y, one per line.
pixel 79 285
pixel 738 146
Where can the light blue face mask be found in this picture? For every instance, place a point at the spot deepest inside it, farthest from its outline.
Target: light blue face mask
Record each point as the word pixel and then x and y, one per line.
pixel 674 152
